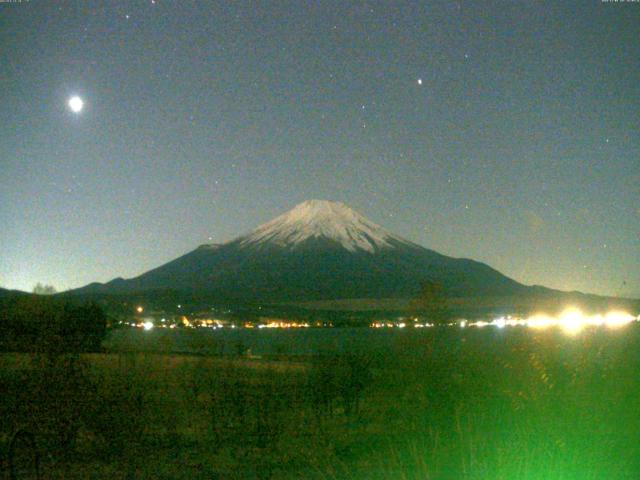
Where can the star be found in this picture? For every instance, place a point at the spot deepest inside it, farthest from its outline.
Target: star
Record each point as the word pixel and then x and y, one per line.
pixel 419 81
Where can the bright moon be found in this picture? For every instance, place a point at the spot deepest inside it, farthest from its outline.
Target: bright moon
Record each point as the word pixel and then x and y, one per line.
pixel 76 104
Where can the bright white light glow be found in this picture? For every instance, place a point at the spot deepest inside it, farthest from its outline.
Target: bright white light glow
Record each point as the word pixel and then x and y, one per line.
pixel 147 325
pixel 571 321
pixel 539 321
pixel 76 104
pixel 500 322
pixel 618 319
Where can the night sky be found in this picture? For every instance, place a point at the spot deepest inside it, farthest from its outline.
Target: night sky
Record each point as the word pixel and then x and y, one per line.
pixel 507 132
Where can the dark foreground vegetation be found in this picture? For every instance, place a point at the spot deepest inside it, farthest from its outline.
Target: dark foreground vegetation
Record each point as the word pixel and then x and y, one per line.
pixel 35 323
pixel 443 404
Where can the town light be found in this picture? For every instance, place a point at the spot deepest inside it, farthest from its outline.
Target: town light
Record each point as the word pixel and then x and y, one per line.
pixel 572 321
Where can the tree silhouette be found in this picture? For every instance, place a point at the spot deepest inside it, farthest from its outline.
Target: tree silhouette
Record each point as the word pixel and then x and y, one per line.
pixel 431 303
pixel 31 322
pixel 41 289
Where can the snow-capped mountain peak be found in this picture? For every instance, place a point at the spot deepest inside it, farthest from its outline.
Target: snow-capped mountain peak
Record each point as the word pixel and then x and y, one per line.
pixel 323 219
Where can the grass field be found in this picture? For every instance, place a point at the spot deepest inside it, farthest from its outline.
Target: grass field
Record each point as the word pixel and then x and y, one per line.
pixel 445 404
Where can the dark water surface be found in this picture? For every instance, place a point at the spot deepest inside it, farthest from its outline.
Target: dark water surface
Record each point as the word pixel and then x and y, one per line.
pixel 257 341
pixel 315 341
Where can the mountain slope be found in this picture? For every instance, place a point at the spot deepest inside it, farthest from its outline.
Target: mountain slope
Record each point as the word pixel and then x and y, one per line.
pixel 319 250
pixel 315 219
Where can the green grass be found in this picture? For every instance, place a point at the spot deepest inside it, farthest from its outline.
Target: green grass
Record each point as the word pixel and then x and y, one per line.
pixel 450 404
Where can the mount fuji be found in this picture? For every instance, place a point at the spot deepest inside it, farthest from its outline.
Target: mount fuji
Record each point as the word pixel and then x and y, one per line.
pixel 319 250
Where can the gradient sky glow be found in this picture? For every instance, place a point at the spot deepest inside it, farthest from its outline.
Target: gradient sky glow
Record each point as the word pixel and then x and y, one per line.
pixel 507 132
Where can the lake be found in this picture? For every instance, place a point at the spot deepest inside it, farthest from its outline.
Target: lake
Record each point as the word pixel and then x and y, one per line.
pixel 313 341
